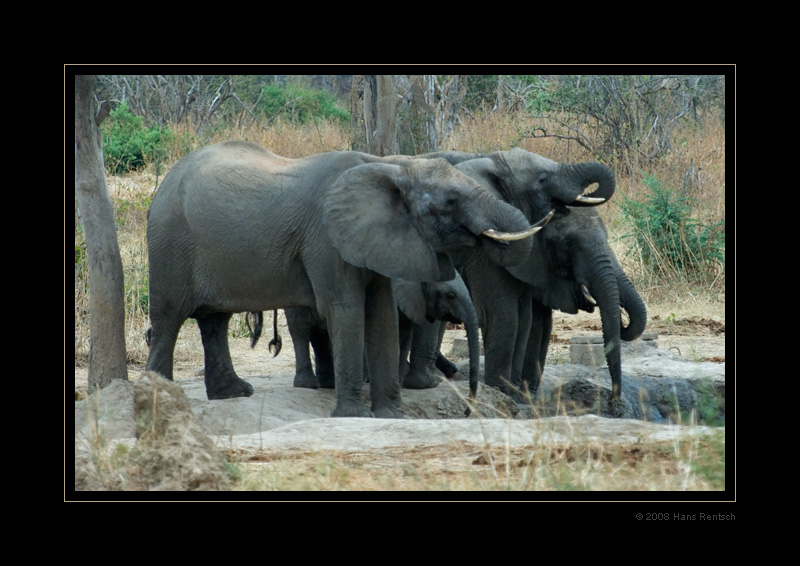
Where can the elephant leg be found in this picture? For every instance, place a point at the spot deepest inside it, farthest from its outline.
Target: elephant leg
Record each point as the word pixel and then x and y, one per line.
pixel 442 329
pixel 524 318
pixel 221 381
pixel 495 294
pixel 538 343
pixel 323 358
pixel 162 338
pixel 345 320
pixel 299 320
pixel 424 345
pixel 500 339
pixel 405 332
pixel 445 366
pixel 382 348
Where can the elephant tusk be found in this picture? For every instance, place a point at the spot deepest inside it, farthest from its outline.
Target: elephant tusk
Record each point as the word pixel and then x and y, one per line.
pixel 590 200
pixel 511 236
pixel 543 222
pixel 587 294
pixel 514 236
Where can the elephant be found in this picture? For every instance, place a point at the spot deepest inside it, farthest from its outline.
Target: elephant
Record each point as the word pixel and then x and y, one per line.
pixel 571 268
pixel 236 228
pixel 423 308
pixel 424 312
pixel 504 301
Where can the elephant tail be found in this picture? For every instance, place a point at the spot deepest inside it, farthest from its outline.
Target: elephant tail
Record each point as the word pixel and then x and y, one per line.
pixel 254 320
pixel 276 340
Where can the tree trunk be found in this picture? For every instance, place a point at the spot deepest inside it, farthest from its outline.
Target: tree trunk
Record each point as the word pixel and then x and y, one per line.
pixel 374 97
pixel 358 113
pixel 384 141
pixel 106 289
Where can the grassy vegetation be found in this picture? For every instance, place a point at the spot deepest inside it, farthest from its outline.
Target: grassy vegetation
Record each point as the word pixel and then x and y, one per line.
pixel 692 464
pixel 696 464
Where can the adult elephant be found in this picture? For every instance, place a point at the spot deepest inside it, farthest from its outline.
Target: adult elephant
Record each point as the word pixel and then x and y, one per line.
pixel 573 268
pixel 423 308
pixel 503 301
pixel 236 228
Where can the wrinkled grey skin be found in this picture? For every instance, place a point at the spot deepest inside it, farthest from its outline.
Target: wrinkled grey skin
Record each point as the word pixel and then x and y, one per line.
pixel 570 259
pixel 422 309
pixel 534 185
pixel 235 228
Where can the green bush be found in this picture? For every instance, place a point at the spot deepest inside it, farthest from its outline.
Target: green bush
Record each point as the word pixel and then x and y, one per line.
pixel 128 145
pixel 300 104
pixel 668 237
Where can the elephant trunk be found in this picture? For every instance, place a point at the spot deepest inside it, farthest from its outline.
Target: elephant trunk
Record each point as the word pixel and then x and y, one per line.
pixel 634 305
pixel 474 345
pixel 603 287
pixel 586 174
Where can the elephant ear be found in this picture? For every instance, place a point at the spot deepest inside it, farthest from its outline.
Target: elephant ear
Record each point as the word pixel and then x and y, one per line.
pixel 369 223
pixel 447 270
pixel 548 288
pixel 410 299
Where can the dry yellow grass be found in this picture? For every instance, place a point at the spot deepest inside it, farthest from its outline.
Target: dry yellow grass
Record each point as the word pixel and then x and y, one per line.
pixel 688 465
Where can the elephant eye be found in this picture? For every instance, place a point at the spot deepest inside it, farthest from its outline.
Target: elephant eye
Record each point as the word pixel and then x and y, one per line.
pixel 452 201
pixel 451 296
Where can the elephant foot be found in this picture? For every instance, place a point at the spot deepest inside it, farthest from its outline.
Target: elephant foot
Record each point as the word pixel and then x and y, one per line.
pixel 420 380
pixel 530 390
pixel 229 389
pixel 351 409
pixel 445 366
pixel 403 370
pixel 388 412
pixel 307 380
pixel 506 388
pixel 327 381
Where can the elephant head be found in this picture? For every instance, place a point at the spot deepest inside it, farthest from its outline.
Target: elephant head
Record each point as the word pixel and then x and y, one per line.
pixel 428 306
pixel 396 219
pixel 534 184
pixel 573 268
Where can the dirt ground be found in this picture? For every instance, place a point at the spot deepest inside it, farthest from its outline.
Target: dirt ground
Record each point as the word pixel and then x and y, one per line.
pixel 296 430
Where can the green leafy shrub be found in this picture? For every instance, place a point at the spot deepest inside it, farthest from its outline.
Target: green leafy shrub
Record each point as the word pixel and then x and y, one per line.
pixel 669 238
pixel 300 104
pixel 128 144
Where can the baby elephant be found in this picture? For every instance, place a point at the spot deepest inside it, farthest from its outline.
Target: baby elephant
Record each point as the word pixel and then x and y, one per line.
pixel 423 310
